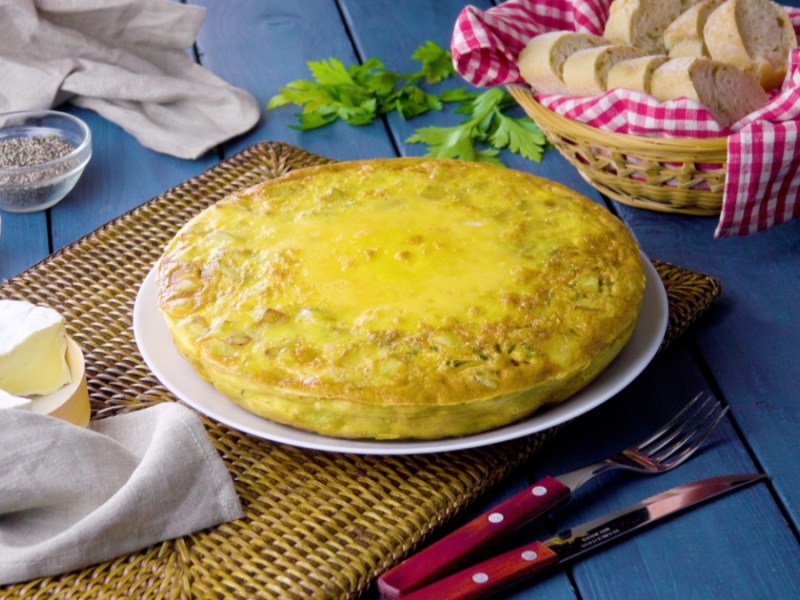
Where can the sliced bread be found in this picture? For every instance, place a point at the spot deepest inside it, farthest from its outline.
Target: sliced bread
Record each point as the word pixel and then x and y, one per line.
pixel 684 36
pixel 635 73
pixel 754 35
pixel 586 71
pixel 725 90
pixel 541 62
pixel 641 23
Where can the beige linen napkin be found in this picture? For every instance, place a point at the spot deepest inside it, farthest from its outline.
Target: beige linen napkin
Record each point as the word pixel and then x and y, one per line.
pixel 128 61
pixel 72 497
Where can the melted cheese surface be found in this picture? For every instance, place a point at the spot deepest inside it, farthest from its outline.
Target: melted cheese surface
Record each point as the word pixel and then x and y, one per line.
pixel 395 263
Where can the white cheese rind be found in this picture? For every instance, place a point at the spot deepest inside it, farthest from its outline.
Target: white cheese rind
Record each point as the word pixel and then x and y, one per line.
pixel 33 347
pixel 10 401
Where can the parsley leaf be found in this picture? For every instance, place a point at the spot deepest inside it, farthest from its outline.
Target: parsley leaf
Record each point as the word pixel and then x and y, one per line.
pixel 457 95
pixel 522 136
pixel 330 72
pixel 437 63
pixel 303 93
pixel 374 76
pixel 446 142
pixel 412 101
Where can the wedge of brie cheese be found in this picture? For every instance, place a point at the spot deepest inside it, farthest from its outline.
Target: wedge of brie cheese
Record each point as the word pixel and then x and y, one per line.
pixel 10 401
pixel 33 349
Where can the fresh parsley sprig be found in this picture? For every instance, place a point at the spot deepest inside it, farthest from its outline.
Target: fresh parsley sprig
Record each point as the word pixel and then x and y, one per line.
pixel 358 94
pixel 486 124
pixel 361 93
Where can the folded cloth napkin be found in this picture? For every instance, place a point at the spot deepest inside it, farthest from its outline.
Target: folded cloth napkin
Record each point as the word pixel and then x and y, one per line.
pixel 762 175
pixel 125 59
pixel 72 497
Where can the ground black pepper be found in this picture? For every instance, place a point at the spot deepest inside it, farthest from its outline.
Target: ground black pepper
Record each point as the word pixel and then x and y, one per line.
pixel 21 152
pixel 30 151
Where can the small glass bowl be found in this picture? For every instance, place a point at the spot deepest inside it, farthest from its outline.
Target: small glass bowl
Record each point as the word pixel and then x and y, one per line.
pixel 37 187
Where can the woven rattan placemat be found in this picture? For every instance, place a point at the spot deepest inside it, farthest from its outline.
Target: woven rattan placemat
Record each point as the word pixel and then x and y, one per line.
pixel 317 525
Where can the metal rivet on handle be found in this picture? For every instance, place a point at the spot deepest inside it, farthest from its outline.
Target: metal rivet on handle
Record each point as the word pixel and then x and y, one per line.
pixel 480 578
pixel 529 555
pixel 539 490
pixel 495 518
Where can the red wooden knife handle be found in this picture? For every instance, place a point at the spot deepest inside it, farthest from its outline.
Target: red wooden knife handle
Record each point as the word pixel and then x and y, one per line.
pixel 490 575
pixel 457 548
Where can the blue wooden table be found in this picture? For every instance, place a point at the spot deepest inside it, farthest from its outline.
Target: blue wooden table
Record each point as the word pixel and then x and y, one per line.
pixel 744 351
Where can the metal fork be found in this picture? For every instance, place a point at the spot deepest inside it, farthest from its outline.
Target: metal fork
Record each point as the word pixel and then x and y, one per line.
pixel 667 448
pixel 664 450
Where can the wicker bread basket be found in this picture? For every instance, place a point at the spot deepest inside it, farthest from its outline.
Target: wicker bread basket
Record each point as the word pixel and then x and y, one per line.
pixel 685 176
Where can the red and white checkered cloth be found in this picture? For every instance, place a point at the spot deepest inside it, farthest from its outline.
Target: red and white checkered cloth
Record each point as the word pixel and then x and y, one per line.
pixel 763 162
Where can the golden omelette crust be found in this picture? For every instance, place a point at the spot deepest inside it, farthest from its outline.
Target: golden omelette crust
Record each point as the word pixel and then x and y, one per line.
pixel 401 298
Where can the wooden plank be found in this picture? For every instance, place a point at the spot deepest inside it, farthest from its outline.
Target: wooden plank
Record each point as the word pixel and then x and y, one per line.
pixel 750 342
pixel 663 562
pixel 262 45
pixel 23 242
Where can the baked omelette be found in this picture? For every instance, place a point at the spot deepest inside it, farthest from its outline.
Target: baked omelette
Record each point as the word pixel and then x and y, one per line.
pixel 401 298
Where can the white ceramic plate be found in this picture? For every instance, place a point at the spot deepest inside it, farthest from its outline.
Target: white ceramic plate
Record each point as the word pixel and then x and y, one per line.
pixel 178 376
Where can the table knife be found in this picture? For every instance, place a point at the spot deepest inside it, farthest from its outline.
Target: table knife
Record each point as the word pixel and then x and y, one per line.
pixel 507 568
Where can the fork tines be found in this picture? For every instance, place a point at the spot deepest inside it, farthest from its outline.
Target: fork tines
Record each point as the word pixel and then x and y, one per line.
pixel 686 431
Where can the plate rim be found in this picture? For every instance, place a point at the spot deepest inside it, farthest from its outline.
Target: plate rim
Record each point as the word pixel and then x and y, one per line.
pixel 148 322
